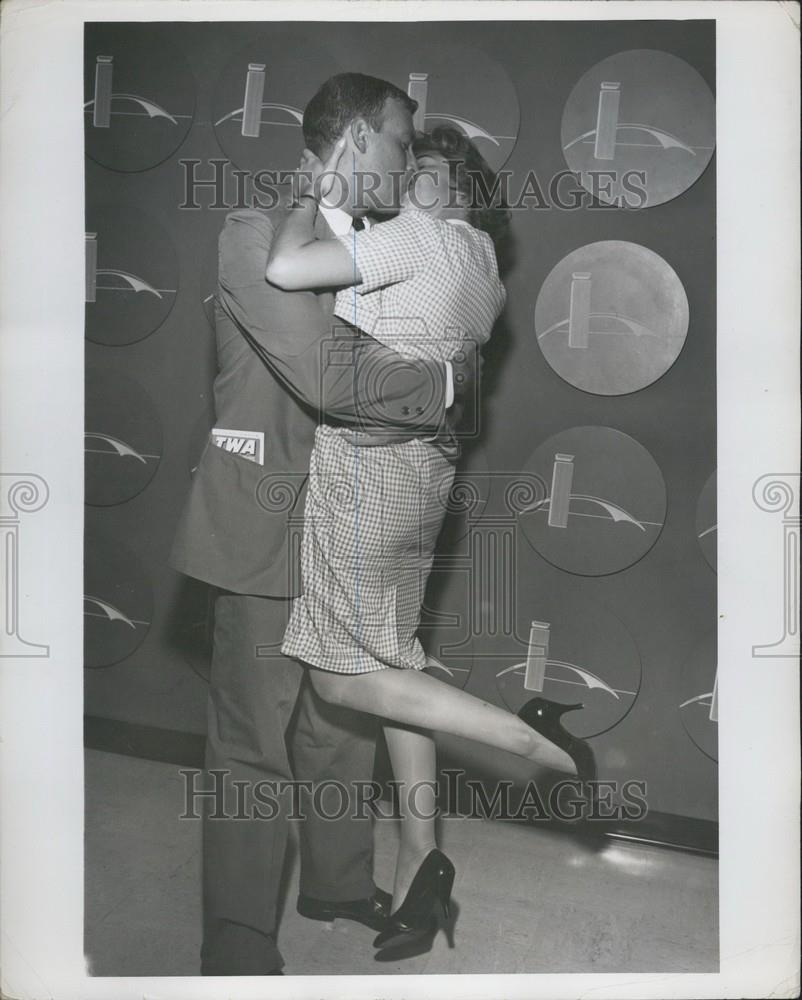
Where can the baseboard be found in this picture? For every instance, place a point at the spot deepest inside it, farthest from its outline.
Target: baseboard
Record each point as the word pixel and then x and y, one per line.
pixel 168 746
pixel 681 833
pixel 132 739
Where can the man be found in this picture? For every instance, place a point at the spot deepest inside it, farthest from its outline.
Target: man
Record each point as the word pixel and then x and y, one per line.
pixel 280 369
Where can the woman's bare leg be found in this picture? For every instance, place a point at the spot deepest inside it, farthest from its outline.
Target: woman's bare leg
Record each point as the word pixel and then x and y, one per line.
pixel 416 699
pixel 414 760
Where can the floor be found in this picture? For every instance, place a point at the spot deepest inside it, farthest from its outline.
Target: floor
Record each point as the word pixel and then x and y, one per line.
pixel 527 899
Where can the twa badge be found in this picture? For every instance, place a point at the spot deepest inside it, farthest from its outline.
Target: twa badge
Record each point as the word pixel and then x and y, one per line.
pixel 247 444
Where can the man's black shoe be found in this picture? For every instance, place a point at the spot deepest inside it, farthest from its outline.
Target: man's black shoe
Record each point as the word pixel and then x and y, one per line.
pixel 372 912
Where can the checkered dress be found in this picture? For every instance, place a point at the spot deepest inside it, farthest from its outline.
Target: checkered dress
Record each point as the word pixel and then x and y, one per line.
pixel 427 285
pixel 373 514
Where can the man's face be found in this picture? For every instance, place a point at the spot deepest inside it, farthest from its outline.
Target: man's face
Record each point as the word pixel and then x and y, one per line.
pixel 387 163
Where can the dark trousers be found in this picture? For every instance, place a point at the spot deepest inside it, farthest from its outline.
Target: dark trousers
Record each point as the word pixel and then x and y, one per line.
pixel 251 701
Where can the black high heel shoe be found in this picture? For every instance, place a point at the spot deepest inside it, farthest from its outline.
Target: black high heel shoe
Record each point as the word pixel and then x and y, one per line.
pixel 427 898
pixel 545 717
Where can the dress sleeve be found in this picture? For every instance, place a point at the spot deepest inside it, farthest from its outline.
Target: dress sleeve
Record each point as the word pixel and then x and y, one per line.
pixel 392 251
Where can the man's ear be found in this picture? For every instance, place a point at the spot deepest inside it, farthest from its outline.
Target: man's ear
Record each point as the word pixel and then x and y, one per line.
pixel 359 129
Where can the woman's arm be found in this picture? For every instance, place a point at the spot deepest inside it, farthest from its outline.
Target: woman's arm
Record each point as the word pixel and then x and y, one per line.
pixel 297 260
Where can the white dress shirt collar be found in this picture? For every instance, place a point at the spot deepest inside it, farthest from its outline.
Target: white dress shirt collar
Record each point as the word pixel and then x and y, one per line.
pixel 338 219
pixel 340 222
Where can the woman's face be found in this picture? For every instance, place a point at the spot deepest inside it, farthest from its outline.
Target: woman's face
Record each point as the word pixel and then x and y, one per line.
pixel 430 186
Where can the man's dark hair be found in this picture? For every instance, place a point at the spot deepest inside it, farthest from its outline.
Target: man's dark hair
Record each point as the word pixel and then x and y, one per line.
pixel 340 100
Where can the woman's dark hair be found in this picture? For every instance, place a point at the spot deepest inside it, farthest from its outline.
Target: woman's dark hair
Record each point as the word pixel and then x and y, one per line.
pixel 341 99
pixel 472 178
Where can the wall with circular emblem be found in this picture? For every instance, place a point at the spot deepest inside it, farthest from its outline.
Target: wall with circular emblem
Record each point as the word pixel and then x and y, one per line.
pixel 579 554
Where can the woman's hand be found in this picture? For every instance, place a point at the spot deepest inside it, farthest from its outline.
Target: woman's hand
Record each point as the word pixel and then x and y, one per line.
pixel 316 177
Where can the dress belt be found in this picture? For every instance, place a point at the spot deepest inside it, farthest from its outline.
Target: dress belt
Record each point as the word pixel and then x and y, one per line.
pixel 364 439
pixel 447 445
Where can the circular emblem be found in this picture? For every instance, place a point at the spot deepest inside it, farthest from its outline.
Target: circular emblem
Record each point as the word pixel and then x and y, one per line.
pixel 139 96
pixel 601 502
pixel 122 439
pixel 131 276
pixel 639 128
pixel 456 85
pixel 258 107
pixel 698 708
pixel 118 601
pixel 572 652
pixel 706 522
pixel 611 317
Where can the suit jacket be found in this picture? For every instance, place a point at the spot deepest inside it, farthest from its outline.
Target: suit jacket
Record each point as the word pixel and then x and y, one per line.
pixel 284 360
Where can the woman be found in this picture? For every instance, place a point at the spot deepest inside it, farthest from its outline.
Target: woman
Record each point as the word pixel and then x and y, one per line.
pixel 420 283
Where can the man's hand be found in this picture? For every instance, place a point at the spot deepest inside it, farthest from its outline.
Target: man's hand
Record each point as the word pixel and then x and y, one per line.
pixel 316 177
